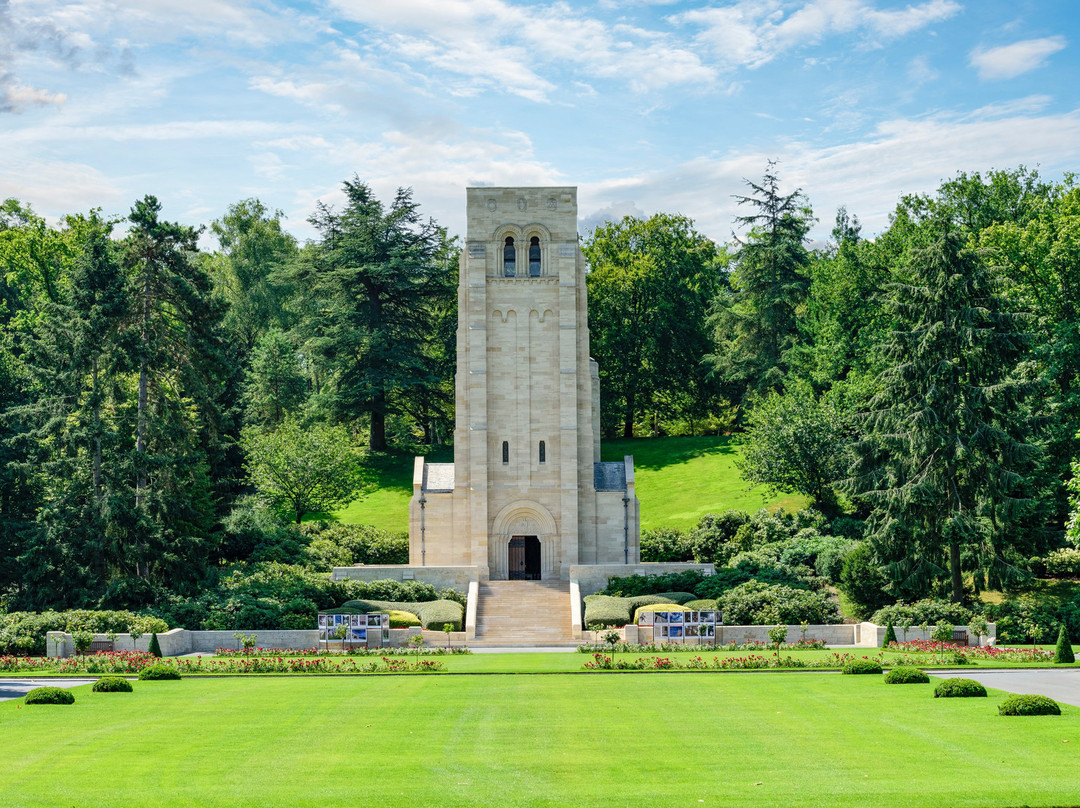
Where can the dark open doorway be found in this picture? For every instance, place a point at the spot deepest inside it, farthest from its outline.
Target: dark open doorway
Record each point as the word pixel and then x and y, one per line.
pixel 524 558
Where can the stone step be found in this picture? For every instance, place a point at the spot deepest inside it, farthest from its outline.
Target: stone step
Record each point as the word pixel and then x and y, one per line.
pixel 524 613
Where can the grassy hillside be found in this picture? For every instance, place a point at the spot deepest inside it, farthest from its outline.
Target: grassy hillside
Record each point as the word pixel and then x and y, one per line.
pixel 678 480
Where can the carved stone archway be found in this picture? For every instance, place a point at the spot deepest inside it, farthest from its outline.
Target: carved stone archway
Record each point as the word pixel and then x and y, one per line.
pixel 523 518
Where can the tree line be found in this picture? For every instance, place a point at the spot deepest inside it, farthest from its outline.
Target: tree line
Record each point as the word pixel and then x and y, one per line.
pixel 922 384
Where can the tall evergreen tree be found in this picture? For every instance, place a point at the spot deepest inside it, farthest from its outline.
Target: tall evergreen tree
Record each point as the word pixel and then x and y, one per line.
pixel 376 273
pixel 947 446
pixel 756 324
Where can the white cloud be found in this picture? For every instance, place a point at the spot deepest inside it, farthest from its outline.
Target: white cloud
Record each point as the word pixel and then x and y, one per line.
pixel 494 44
pixel 868 176
pixel 1009 61
pixel 752 32
pixel 60 186
pixel 14 97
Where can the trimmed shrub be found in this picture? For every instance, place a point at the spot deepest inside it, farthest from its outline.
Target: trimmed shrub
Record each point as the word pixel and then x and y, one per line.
pixel 677 597
pixel 890 635
pixel 155 646
pixel 659 607
pixel 605 610
pixel 1018 704
pixel 959 689
pixel 49 695
pixel 1063 652
pixel 434 614
pixel 402 619
pixel 703 605
pixel 112 684
pixel 156 673
pixel 906 676
pixel 859 666
pixel 629 586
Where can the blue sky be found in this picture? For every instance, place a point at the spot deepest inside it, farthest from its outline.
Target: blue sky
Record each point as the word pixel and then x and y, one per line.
pixel 645 105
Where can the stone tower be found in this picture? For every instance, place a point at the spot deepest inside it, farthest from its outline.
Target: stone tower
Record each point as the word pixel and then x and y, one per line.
pixel 526 495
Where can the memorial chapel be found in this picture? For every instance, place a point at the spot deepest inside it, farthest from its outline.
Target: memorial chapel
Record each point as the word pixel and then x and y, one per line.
pixel 527 496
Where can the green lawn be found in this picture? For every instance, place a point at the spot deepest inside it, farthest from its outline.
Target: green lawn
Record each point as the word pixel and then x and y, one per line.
pixel 635 739
pixel 678 480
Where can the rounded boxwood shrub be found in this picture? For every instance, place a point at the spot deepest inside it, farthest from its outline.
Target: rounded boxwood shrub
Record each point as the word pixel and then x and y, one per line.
pixel 402 619
pixel 112 684
pixel 677 597
pixel 958 689
pixel 703 605
pixel 659 607
pixel 906 676
pixel 50 695
pixel 862 666
pixel 153 673
pixel 1018 704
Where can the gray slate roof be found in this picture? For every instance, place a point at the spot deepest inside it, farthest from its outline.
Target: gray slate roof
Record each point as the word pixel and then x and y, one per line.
pixel 439 478
pixel 609 476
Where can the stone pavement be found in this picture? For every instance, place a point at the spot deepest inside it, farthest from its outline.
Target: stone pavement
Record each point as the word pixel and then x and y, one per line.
pixel 1061 685
pixel 17 688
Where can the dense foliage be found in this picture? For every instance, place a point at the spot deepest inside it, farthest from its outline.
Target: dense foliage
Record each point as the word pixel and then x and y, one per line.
pixel 112 684
pixel 904 675
pixel 49 695
pixel 862 666
pixel 959 689
pixel 159 672
pixel 1019 704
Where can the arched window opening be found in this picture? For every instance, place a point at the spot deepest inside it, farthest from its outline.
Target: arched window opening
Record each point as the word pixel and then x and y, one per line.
pixel 543 452
pixel 534 257
pixel 509 257
pixel 506 452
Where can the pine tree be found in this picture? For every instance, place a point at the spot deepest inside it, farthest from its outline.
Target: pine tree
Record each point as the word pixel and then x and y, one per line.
pixel 375 271
pixel 947 448
pixel 890 635
pixel 756 322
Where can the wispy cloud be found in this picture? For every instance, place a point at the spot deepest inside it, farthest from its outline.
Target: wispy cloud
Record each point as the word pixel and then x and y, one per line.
pixel 1009 61
pixel 751 33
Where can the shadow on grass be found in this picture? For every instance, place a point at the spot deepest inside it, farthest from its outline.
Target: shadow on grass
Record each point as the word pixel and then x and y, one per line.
pixel 658 453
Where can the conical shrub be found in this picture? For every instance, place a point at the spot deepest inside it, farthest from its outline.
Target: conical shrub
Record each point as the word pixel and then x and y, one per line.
pixel 890 635
pixel 1063 653
pixel 155 646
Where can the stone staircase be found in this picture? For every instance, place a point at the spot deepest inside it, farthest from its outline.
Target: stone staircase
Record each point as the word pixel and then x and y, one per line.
pixel 523 613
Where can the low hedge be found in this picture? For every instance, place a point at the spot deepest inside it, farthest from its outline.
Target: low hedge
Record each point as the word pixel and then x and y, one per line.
pixel 1018 704
pixel 431 614
pixel 112 684
pixel 157 673
pixel 959 689
pixel 659 607
pixel 402 619
pixel 607 610
pixel 50 695
pixel 859 666
pixel 677 597
pixel 906 676
pixel 24 633
pixel 703 605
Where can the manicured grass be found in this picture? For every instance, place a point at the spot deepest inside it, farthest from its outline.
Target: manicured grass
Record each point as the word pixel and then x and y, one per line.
pixel 634 739
pixel 681 479
pixel 678 481
pixel 386 505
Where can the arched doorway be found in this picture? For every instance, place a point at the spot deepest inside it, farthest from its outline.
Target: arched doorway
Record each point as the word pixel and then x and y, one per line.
pixel 523 543
pixel 523 558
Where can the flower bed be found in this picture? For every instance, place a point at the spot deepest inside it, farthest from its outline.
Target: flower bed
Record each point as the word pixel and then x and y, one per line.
pixel 601 662
pixel 647 648
pixel 136 661
pixel 969 652
pixel 433 650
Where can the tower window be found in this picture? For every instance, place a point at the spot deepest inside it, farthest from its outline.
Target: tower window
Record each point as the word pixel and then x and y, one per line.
pixel 506 452
pixel 543 452
pixel 509 257
pixel 534 257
